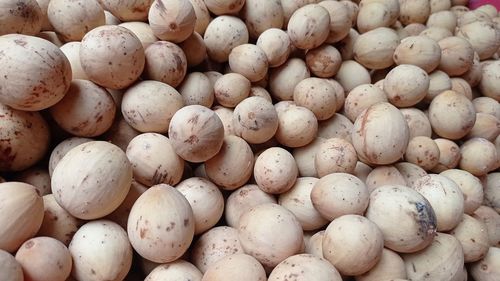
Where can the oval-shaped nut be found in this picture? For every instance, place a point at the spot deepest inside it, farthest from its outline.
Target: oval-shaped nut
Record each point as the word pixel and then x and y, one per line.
pixel 24 17
pixel 222 35
pixel 420 51
pixel 375 48
pixel 307 267
pixel 309 26
pixel 172 20
pixel 162 217
pixel 255 120
pixel 156 68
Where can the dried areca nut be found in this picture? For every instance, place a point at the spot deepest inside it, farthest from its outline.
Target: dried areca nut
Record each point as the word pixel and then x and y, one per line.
pixel 456 55
pixel 451 115
pixel 257 222
pixel 439 82
pixel 172 20
pixel 444 19
pixel 471 187
pixel 129 10
pixel 362 97
pixel 72 52
pixel 242 200
pixel 232 166
pixel 154 160
pixel 283 79
pixel 114 247
pixel 390 203
pixel 87 109
pixel 165 62
pixel 384 175
pixel 164 206
pixel 275 170
pixel 24 17
pixel 230 89
pixel 370 134
pixel 309 26
pixel 442 259
pixel 262 15
pixel 112 56
pixel 196 133
pixel 324 61
pixel 414 11
pixel 390 267
pixel 338 194
pixel 375 48
pixel 34 255
pixel 486 126
pixel 340 20
pixel 96 189
pixel 21 216
pixel 483 36
pixel 255 120
pixel 422 151
pixel 148 106
pixel 223 34
pixel 478 156
pixel 420 51
pixel 142 30
pixel 206 201
pixel 373 15
pixel 250 61
pixel 72 19
pixel 194 48
pixel 445 197
pixel 298 201
pixel 473 236
pixel 307 266
pixel 343 236
pixel 490 80
pixel 234 267
pixel 352 74
pixel 335 155
pixel 25 138
pixel 276 45
pixel 196 88
pixel 406 85
pixel 36 73
pixel 318 95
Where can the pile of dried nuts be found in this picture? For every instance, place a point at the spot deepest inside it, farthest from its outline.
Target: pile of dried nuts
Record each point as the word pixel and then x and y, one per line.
pixel 252 140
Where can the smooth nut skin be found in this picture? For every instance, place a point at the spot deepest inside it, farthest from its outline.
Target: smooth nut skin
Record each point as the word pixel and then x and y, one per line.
pixel 44 259
pixel 324 61
pixel 148 106
pixel 110 244
pixel 96 189
pixel 471 187
pixel 10 268
pixel 161 205
pixel 142 30
pixel 457 55
pixel 222 35
pixel 422 151
pixel 375 48
pixel 25 137
pixel 24 17
pixel 229 7
pixel 275 170
pixel 406 85
pixel 72 19
pixel 215 244
pixel 305 267
pixel 235 266
pixel 472 234
pixel 112 56
pixel 250 61
pixel 419 219
pixel 483 36
pixel 451 115
pixel 154 160
pixel 362 97
pixel 172 20
pixel 255 231
pixel 478 156
pixel 165 62
pixel 22 214
pixel 87 110
pixel 261 16
pixel 129 10
pixel 420 51
pixel 442 259
pixel 276 45
pixel 348 233
pixel 376 146
pixel 36 73
pixel 489 80
pixel 255 120
pixel 309 26
pixel 196 133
